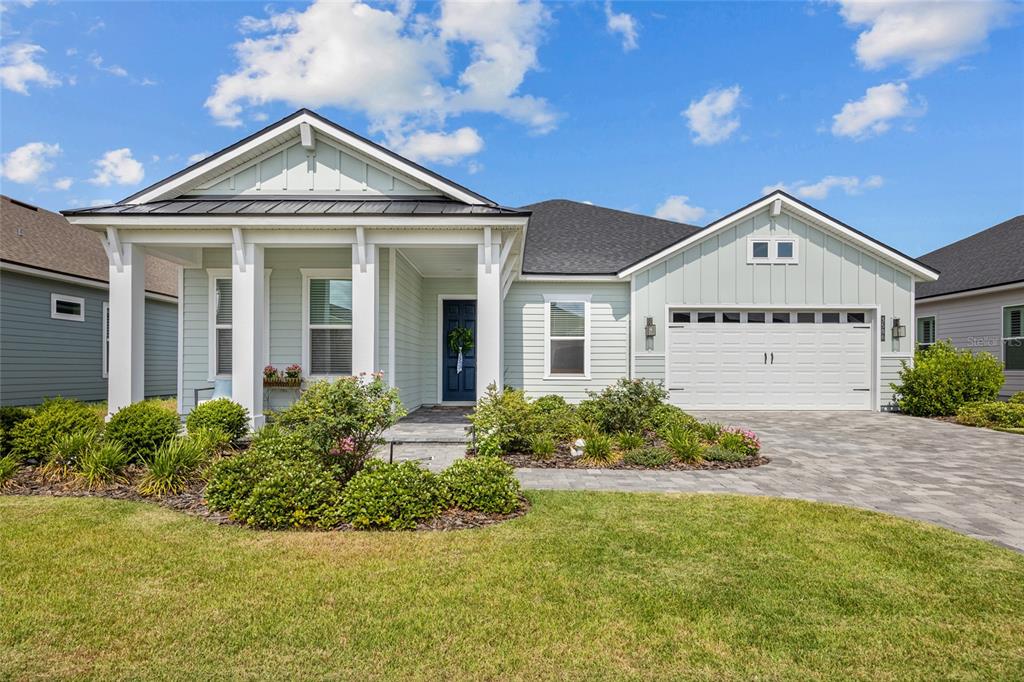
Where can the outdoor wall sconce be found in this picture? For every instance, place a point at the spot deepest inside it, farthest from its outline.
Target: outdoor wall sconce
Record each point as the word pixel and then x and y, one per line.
pixel 650 331
pixel 898 330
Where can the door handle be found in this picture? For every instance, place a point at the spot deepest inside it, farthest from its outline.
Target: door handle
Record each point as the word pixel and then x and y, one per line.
pixel 773 357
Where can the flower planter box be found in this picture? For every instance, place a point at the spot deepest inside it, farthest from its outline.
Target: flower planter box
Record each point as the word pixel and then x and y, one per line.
pixel 282 383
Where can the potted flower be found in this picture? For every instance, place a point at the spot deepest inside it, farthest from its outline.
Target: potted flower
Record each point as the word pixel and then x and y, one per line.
pixel 293 371
pixel 291 378
pixel 270 374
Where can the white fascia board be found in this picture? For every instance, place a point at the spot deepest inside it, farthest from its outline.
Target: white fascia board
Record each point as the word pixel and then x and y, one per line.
pixel 569 278
pixel 74 279
pixel 174 187
pixel 286 221
pixel 814 217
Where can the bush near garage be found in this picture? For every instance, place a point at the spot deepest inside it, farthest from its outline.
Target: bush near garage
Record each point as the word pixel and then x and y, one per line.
pixel 1007 416
pixel 944 378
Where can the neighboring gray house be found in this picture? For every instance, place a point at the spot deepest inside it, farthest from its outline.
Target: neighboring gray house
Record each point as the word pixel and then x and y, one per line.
pixel 979 302
pixel 53 311
pixel 307 243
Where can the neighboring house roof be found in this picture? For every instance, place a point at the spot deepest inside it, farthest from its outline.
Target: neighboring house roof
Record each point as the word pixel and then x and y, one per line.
pixel 290 205
pixel 572 238
pixel 990 258
pixel 36 238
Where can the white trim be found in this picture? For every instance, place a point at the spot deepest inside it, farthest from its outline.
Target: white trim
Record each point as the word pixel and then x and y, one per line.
pixel 169 187
pixel 74 279
pixel 924 300
pixel 105 339
pixel 812 215
pixel 392 315
pixel 441 298
pixel 566 298
pixel 307 275
pixel 76 300
pixel 181 341
pixel 97 220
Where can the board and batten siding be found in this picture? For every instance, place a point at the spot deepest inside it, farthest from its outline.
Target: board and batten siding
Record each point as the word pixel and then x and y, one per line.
pixel 714 272
pixel 524 337
pixel 41 357
pixel 976 323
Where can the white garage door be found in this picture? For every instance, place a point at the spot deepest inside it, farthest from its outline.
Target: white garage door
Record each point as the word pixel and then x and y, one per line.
pixel 820 360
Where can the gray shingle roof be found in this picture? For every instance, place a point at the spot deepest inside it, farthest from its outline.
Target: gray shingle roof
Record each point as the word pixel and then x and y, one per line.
pixel 572 238
pixel 289 205
pixel 992 257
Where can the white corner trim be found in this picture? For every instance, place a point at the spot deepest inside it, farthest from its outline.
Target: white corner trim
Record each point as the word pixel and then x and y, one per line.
pixel 63 298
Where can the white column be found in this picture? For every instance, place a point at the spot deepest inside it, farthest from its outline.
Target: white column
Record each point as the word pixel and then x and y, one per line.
pixel 126 378
pixel 364 308
pixel 247 330
pixel 488 319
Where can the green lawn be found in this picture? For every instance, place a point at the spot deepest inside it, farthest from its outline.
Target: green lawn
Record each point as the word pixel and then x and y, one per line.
pixel 587 585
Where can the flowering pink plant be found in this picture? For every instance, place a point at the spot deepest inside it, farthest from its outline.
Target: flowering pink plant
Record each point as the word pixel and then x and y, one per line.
pixel 750 440
pixel 293 371
pixel 345 446
pixel 270 373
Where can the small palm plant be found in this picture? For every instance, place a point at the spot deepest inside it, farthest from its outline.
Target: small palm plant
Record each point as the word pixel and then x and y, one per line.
pixel 101 464
pixel 172 467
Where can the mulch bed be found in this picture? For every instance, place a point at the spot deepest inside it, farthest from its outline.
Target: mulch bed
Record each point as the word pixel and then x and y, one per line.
pixel 563 460
pixel 31 481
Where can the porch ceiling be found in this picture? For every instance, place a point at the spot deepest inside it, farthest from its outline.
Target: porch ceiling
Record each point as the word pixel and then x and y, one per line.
pixel 442 261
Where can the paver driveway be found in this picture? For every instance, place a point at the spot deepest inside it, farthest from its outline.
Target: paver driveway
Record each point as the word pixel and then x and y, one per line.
pixel 967 479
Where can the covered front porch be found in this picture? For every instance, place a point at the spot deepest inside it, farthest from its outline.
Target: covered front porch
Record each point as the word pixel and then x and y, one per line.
pixel 336 302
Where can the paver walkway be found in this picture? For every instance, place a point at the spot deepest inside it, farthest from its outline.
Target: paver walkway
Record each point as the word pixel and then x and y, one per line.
pixel 967 479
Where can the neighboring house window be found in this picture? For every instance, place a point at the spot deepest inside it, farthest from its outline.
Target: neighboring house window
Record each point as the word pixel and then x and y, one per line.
pixel 329 325
pixel 67 308
pixel 106 339
pixel 925 331
pixel 568 336
pixel 1013 337
pixel 772 250
pixel 222 326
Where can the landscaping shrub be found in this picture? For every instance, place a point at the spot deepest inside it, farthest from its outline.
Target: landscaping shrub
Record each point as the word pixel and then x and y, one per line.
pixel 629 441
pixel 8 468
pixel 228 416
pixel 721 453
pixel 992 415
pixel 104 463
pixel 944 378
pixel 597 448
pixel 627 405
pixel 484 484
pixel 648 457
pixel 66 452
pixel 9 418
pixel 556 417
pixel 542 445
pixel 391 496
pixel 503 422
pixel 685 444
pixel 666 418
pixel 345 418
pixel 172 467
pixel 211 440
pixel 1017 398
pixel 709 432
pixel 298 493
pixel 744 443
pixel 142 428
pixel 32 437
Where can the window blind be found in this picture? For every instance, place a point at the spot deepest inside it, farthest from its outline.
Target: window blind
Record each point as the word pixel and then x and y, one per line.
pixel 330 351
pixel 568 319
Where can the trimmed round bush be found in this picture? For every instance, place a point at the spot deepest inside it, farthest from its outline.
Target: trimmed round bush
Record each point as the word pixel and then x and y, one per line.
pixel 222 413
pixel 292 494
pixel 391 496
pixel 9 418
pixel 34 436
pixel 944 378
pixel 142 428
pixel 484 484
pixel 1017 398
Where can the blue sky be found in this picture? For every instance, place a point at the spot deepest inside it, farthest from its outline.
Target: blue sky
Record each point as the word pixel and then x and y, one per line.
pixel 686 110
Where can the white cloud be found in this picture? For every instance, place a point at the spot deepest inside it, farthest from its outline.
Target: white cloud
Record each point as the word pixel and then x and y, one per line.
pixel 117 166
pixel 114 69
pixel 872 114
pixel 713 118
pixel 678 208
pixel 924 35
pixel 198 156
pixel 29 162
pixel 18 68
pixel 63 183
pixel 849 184
pixel 623 23
pixel 445 148
pixel 393 66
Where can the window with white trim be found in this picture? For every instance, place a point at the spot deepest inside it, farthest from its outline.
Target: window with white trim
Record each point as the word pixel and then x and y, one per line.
pixel 222 326
pixel 568 336
pixel 329 326
pixel 773 250
pixel 1013 337
pixel 67 308
pixel 106 339
pixel 925 331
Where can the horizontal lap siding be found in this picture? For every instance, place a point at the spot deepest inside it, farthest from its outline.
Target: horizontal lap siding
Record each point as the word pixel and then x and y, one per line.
pixel 524 337
pixel 161 354
pixel 976 323
pixel 891 367
pixel 650 367
pixel 409 304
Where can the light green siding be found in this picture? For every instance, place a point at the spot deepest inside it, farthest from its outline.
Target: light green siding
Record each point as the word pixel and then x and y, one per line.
pixel 651 367
pixel 891 367
pixel 524 337
pixel 408 335
pixel 161 349
pixel 715 272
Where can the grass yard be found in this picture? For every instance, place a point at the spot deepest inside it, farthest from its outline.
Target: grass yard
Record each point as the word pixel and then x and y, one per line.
pixel 587 585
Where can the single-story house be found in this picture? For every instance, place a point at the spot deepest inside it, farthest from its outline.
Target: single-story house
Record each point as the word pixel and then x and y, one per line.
pixel 307 243
pixel 54 311
pixel 979 302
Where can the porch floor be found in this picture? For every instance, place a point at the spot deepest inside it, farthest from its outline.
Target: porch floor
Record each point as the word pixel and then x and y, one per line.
pixel 433 436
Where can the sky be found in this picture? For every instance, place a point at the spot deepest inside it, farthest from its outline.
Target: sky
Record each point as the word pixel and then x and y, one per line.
pixel 903 119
